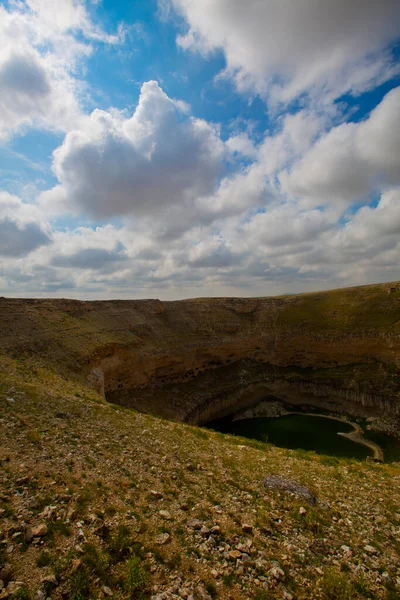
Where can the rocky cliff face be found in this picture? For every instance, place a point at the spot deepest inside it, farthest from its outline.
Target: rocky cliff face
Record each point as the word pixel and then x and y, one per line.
pixel 195 360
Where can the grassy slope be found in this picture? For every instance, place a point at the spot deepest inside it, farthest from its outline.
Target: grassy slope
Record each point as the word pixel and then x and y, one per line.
pixel 102 462
pixel 365 308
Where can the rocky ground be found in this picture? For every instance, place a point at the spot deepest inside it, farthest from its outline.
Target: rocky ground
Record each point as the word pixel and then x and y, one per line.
pixel 99 501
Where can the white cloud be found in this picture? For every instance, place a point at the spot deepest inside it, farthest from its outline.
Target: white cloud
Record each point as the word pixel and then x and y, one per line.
pixel 242 144
pixel 191 214
pixel 42 47
pixel 52 18
pixel 141 165
pixel 287 226
pixel 287 48
pixel 351 160
pixel 285 248
pixel 213 252
pixel 22 228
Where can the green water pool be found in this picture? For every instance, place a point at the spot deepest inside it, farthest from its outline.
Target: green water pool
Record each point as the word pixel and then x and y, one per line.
pixel 295 431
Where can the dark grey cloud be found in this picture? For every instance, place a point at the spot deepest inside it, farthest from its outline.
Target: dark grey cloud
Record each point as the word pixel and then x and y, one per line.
pixel 23 74
pixel 218 257
pixel 18 240
pixel 91 258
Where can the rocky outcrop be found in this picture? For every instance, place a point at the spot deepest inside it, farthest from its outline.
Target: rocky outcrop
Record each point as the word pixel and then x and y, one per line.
pixel 199 359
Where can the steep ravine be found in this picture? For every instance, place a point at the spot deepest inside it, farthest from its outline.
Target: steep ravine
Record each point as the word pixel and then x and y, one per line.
pixel 196 360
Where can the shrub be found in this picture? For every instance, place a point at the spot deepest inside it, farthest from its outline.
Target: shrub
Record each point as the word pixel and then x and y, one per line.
pixel 121 544
pixel 95 563
pixel 211 589
pixel 136 579
pixel 336 586
pixel 80 585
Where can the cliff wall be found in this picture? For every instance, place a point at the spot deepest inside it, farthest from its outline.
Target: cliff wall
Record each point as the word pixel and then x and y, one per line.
pixel 198 359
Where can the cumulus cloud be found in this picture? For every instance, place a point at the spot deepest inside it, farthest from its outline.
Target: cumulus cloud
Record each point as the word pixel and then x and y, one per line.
pixel 213 252
pixel 283 248
pixel 352 159
pixel 19 240
pixel 288 48
pixel 42 46
pixel 287 225
pixel 91 258
pixel 158 157
pixel 372 228
pixel 22 229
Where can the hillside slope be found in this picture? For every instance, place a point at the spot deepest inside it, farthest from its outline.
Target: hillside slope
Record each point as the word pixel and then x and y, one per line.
pixel 99 501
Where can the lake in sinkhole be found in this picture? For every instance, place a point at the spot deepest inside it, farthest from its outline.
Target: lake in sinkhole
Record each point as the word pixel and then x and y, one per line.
pixel 307 432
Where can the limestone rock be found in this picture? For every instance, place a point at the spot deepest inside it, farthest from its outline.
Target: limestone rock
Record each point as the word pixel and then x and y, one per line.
pixel 156 495
pixel 165 514
pixel 40 530
pixel 107 591
pixel 277 573
pixel 195 524
pixel 162 539
pixel 284 484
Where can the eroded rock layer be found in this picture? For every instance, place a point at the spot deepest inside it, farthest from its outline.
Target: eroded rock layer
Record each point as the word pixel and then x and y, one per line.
pixel 196 360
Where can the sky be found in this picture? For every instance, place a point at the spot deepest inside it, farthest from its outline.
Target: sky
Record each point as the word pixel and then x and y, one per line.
pixel 183 148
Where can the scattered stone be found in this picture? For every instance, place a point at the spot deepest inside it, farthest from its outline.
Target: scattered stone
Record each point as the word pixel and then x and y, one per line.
pixel 156 495
pixel 49 581
pixel 387 579
pixel 69 514
pixel 162 539
pixel 107 591
pixel 165 514
pixel 48 512
pixel 370 550
pixel 279 483
pixel 302 510
pixel 277 573
pixel 40 530
pixel 246 528
pixel 235 554
pixel 14 587
pixel 195 524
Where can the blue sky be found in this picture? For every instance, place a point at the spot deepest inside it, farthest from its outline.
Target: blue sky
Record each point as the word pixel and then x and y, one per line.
pixel 171 149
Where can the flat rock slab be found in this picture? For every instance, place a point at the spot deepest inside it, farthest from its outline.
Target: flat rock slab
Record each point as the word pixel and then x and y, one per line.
pixel 289 485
